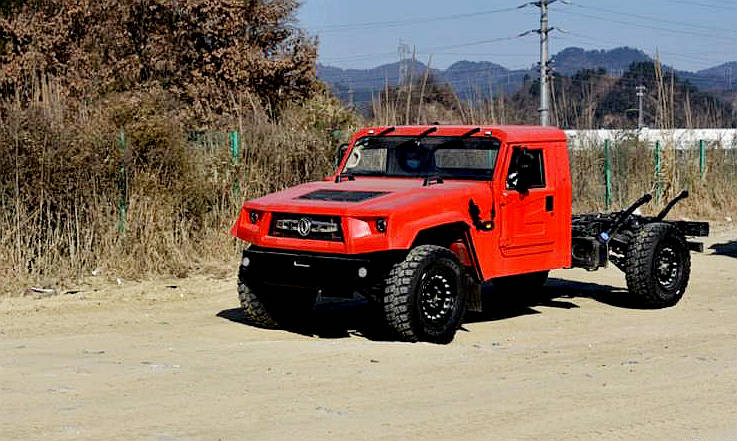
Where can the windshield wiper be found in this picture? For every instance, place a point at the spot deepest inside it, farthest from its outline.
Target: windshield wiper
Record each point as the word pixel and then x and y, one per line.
pixel 471 132
pixel 415 139
pixel 426 132
pixel 386 131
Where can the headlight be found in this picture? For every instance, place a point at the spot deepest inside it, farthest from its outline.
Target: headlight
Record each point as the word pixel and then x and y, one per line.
pixel 381 225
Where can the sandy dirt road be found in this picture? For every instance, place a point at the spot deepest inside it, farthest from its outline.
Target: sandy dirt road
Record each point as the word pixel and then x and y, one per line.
pixel 147 361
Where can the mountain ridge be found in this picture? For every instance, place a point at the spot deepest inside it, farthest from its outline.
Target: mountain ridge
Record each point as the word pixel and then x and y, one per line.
pixel 483 78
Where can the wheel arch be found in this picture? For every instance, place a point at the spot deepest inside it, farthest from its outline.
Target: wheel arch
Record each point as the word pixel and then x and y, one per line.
pixel 454 236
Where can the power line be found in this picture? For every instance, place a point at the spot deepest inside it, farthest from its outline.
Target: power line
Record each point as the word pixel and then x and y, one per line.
pixel 658 19
pixel 705 5
pixel 431 49
pixel 544 34
pixel 395 23
pixel 650 27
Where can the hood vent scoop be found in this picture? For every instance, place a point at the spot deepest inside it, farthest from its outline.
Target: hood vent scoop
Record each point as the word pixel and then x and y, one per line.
pixel 341 195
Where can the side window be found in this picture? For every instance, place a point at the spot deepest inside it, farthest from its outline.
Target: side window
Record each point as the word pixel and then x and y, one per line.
pixel 528 163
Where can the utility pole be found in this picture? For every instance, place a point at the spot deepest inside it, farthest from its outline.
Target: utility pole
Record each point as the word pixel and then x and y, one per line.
pixel 544 86
pixel 640 117
pixel 544 32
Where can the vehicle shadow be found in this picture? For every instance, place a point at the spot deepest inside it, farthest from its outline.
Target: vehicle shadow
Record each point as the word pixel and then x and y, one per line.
pixel 345 318
pixel 333 318
pixel 556 293
pixel 728 249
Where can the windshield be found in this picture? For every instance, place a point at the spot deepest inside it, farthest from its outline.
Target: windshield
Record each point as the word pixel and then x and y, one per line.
pixel 448 157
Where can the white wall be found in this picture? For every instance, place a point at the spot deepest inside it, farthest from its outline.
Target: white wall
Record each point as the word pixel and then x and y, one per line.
pixel 683 138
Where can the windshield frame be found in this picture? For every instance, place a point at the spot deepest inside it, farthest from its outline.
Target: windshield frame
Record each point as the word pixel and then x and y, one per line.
pixel 451 143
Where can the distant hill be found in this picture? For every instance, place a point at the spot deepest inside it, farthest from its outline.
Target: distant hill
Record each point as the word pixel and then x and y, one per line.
pixel 592 98
pixel 615 61
pixel 468 79
pixel 480 78
pixel 363 83
pixel 722 77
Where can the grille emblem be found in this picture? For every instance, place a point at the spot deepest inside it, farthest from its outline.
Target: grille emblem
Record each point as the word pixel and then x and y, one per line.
pixel 304 226
pixel 307 227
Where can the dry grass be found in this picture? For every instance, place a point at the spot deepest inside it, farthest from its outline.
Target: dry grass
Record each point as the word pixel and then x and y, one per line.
pixel 61 181
pixel 632 175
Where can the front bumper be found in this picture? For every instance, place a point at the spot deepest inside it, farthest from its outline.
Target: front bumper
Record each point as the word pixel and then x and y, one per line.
pixel 314 270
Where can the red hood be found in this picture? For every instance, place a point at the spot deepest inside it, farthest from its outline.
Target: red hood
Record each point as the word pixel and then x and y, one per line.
pixel 399 194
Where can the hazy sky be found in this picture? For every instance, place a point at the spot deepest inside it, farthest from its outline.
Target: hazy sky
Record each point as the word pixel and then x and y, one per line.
pixel 689 34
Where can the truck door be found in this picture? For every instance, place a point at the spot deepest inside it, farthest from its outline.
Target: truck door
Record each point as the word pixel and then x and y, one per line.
pixel 527 212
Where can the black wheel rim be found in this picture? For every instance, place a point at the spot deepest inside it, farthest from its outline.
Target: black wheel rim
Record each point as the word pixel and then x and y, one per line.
pixel 437 294
pixel 667 267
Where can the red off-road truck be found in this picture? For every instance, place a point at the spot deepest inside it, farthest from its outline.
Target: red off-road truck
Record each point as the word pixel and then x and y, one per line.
pixel 418 217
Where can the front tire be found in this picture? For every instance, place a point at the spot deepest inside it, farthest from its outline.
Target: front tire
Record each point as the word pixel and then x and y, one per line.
pixel 658 265
pixel 274 307
pixel 425 298
pixel 254 309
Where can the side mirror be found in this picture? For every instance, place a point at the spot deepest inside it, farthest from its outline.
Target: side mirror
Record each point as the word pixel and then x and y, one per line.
pixel 520 177
pixel 518 182
pixel 339 153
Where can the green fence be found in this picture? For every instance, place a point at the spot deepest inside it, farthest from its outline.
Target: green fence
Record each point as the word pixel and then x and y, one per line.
pixel 608 176
pixel 208 141
pixel 613 174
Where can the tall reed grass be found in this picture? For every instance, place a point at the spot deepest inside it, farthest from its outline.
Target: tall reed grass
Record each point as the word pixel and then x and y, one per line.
pixel 65 174
pixel 632 168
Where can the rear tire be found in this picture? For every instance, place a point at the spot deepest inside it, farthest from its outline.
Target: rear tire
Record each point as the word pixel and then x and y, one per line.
pixel 425 296
pixel 273 307
pixel 658 265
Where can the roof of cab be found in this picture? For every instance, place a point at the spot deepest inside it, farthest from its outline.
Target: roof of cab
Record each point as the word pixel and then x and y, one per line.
pixel 503 133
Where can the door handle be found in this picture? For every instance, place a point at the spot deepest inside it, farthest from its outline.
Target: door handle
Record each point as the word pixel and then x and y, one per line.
pixel 549 203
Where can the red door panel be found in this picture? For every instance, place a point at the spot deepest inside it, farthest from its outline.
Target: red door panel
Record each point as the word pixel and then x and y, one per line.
pixel 528 221
pixel 526 226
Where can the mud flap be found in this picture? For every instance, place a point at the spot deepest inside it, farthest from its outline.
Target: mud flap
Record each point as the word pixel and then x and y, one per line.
pixel 473 294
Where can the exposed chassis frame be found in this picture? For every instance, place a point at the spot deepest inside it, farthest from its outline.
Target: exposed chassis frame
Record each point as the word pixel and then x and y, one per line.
pixel 598 238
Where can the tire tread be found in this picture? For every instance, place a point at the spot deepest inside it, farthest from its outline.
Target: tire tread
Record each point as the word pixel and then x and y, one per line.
pixel 638 264
pixel 253 308
pixel 398 292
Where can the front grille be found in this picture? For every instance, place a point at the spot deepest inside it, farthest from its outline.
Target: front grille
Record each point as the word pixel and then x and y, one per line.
pixel 306 226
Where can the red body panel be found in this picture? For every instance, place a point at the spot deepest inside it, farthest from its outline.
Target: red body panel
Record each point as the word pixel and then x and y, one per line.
pixel 527 236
